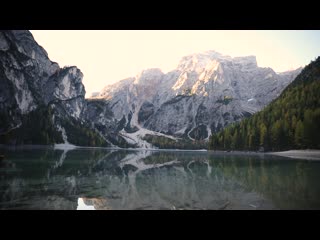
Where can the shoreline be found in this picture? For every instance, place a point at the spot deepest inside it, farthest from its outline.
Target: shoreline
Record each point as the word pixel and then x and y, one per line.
pixel 305 154
pixel 308 154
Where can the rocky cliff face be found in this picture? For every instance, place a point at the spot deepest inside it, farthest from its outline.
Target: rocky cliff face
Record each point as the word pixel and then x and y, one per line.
pixel 43 103
pixel 203 94
pixel 29 81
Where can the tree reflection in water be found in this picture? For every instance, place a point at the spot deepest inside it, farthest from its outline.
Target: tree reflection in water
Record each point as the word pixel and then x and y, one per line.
pixel 122 179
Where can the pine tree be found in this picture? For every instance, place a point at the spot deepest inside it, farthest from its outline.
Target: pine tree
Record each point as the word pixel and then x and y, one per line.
pixel 290 121
pixel 263 134
pixel 299 135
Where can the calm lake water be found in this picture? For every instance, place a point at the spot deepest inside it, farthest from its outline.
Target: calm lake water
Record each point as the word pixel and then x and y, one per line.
pixel 45 178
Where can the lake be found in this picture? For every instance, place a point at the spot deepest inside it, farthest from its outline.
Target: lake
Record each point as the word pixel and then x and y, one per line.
pixel 45 178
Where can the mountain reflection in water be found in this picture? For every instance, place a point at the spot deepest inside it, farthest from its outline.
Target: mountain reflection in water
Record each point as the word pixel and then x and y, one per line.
pixel 105 179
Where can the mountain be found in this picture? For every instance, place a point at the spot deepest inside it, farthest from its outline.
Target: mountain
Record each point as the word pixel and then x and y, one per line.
pixel 289 122
pixel 205 93
pixel 40 103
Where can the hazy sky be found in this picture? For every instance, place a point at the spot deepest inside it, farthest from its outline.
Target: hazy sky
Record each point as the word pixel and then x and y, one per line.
pixel 106 57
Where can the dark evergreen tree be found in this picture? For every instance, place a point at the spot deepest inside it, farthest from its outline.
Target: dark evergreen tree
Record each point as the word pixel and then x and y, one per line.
pixel 290 121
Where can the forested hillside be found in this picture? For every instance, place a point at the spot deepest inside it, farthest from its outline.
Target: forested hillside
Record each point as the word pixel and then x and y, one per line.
pixel 292 121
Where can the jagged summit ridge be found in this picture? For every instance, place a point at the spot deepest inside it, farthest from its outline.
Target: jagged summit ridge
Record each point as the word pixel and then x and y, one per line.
pixel 203 94
pixel 40 103
pixel 201 60
pixel 206 92
pixel 149 76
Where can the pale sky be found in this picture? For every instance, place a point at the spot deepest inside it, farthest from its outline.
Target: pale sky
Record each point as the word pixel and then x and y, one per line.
pixel 107 56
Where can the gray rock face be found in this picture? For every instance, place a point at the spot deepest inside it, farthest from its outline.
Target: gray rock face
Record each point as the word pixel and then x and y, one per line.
pixel 67 89
pixel 100 116
pixel 203 94
pixel 28 79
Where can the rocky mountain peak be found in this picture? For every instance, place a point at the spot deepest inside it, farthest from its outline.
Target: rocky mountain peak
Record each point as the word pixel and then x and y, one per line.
pixel 26 44
pixel 247 61
pixel 206 92
pixel 210 60
pixel 30 83
pixel 149 76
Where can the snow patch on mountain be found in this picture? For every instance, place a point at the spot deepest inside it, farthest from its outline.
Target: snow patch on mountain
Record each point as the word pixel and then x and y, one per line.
pixel 206 92
pixel 136 138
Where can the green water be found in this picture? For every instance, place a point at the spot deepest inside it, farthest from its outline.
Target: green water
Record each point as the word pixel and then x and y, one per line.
pixel 45 178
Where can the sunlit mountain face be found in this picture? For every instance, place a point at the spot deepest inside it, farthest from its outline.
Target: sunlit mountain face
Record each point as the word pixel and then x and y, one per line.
pixel 206 92
pixel 203 94
pixel 196 137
